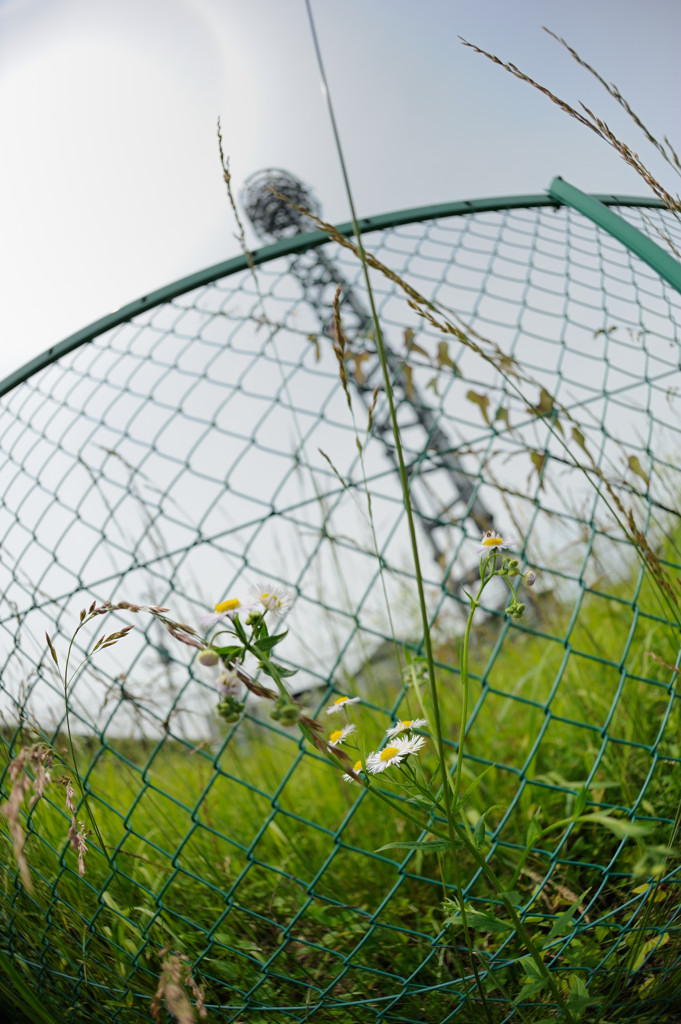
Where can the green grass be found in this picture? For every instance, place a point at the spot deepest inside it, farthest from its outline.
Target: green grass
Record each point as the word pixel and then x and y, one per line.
pixel 258 863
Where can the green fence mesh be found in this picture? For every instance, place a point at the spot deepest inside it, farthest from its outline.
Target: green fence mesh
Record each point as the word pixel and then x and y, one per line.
pixel 200 440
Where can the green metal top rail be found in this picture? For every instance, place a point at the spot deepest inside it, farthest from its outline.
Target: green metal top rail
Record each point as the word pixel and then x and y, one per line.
pixel 313 239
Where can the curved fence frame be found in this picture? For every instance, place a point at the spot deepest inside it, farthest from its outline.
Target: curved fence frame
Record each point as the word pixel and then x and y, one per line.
pixel 295 246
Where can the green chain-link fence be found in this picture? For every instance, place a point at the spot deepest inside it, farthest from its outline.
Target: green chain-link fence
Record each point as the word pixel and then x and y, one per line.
pixel 200 439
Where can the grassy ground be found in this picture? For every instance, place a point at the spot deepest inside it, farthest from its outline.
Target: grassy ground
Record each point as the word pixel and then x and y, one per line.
pixel 256 862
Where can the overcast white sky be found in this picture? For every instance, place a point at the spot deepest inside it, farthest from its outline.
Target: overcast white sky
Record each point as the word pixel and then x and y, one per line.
pixel 110 184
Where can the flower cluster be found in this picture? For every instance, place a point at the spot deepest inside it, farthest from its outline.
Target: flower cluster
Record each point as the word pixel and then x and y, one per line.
pixel 506 568
pixel 394 753
pixel 248 637
pixel 269 597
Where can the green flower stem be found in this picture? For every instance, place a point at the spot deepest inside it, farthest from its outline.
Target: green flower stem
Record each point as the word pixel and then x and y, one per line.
pixel 262 657
pixel 397 806
pixel 406 768
pixel 518 925
pixel 465 684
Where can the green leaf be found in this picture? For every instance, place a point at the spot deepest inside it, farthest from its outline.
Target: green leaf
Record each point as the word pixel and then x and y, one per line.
pixel 502 414
pixel 474 785
pixel 647 948
pixel 476 918
pixel 444 358
pixel 266 643
pixel 411 345
pixel 531 968
pixel 546 404
pixel 578 437
pixel 229 653
pixel 579 998
pixel 538 460
pixel 622 828
pixel 482 402
pixel 580 801
pixel 52 650
pixel 270 668
pixel 513 897
pixel 533 831
pixel 426 846
pixel 479 832
pixel 420 801
pixel 536 980
pixel 479 921
pixel 530 989
pixel 635 467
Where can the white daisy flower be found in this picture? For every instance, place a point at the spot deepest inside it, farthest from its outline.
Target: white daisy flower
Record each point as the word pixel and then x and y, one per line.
pixel 226 610
pixel 404 726
pixel 382 759
pixel 357 768
pixel 340 735
pixel 272 598
pixel 493 541
pixel 340 703
pixel 394 753
pixel 411 744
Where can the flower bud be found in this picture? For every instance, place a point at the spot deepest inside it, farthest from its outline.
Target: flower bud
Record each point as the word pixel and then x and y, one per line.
pixel 285 711
pixel 230 709
pixel 290 715
pixel 529 578
pixel 208 656
pixel 515 609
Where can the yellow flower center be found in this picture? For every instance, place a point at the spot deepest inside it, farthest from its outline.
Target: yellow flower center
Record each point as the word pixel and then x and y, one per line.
pixel 227 606
pixel 388 752
pixel 335 736
pixel 492 542
pixel 357 767
pixel 341 700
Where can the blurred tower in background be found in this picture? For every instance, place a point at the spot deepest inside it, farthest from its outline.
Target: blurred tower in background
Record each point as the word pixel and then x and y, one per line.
pixel 440 486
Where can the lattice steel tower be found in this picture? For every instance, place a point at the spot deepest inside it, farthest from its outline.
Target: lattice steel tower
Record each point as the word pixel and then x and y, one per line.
pixel 441 489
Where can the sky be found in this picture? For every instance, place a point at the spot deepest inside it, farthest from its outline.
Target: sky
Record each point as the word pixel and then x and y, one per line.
pixel 110 182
